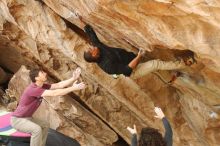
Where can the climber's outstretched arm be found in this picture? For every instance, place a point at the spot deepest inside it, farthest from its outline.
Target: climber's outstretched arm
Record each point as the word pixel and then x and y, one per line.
pixel 133 64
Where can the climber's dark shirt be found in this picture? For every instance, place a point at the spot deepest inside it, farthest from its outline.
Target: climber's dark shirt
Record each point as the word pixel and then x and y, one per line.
pixel 168 134
pixel 112 60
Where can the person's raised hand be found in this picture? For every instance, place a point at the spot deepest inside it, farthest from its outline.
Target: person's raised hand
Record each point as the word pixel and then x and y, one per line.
pixel 79 86
pixel 76 73
pixel 159 113
pixel 132 131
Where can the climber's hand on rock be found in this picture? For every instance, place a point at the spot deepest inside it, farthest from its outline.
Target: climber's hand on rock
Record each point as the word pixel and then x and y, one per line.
pixel 132 131
pixel 141 52
pixel 76 14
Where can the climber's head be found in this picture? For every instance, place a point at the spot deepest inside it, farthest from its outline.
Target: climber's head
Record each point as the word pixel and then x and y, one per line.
pixel 151 137
pixel 92 55
pixel 37 75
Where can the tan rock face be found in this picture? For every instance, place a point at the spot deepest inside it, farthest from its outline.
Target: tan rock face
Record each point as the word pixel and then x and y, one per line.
pixel 36 32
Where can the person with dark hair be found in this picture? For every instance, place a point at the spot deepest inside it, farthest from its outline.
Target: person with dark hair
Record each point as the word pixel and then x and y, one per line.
pixel 119 61
pixel 34 73
pixel 150 136
pixel 31 99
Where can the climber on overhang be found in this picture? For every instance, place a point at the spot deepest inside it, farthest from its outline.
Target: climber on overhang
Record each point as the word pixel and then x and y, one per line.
pixel 117 61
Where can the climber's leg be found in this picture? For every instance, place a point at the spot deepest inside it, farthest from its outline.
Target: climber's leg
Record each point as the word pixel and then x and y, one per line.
pixel 154 65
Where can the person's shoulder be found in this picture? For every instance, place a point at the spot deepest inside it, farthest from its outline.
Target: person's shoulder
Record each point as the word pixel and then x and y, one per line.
pixel 31 85
pixel 28 89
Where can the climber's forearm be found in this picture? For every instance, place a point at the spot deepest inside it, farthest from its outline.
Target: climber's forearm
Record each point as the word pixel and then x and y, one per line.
pixel 58 92
pixel 133 64
pixel 63 84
